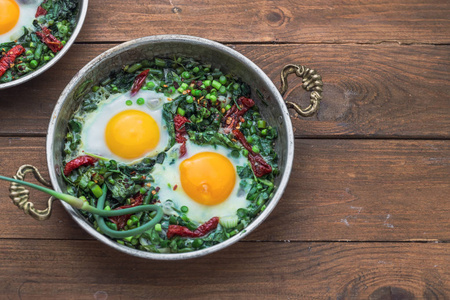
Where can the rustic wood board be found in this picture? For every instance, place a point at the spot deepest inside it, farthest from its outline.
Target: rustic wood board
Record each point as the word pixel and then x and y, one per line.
pixel 381 91
pixel 281 21
pixel 340 190
pixel 366 212
pixel 71 269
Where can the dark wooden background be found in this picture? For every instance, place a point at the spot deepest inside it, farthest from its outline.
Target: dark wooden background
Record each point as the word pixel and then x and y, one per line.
pixel 366 214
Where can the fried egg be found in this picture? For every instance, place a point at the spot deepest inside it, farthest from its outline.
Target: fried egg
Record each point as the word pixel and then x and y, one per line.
pixel 14 15
pixel 123 130
pixel 204 180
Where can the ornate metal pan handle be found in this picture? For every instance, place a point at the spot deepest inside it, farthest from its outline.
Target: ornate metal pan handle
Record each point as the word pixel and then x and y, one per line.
pixel 311 82
pixel 19 194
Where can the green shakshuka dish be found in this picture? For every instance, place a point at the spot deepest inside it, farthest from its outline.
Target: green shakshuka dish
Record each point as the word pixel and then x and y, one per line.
pixel 32 32
pixel 177 134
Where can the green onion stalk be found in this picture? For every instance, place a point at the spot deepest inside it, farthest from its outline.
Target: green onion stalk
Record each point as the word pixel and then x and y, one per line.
pixel 99 212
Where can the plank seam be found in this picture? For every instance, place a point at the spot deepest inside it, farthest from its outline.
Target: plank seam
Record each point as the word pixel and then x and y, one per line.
pixel 292 43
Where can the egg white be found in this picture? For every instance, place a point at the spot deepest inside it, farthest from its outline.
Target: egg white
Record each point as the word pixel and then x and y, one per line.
pixel 26 17
pixel 167 176
pixel 93 133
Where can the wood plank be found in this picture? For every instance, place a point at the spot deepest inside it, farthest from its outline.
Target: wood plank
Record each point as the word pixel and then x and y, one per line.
pixel 352 190
pixel 339 21
pixel 370 91
pixel 33 269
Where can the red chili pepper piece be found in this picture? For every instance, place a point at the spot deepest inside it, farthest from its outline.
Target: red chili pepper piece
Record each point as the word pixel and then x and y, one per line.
pixel 121 221
pixel 138 82
pixel 233 115
pixel 180 130
pixel 259 165
pixel 200 231
pixel 47 37
pixel 40 11
pixel 84 160
pixel 230 122
pixel 7 61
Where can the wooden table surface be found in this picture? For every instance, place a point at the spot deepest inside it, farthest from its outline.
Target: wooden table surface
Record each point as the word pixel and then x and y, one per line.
pixel 366 214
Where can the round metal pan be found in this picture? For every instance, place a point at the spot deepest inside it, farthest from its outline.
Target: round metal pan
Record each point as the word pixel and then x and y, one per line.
pixel 228 60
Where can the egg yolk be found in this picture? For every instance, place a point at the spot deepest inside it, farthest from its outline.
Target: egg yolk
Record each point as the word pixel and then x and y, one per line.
pixel 9 15
pixel 131 134
pixel 208 177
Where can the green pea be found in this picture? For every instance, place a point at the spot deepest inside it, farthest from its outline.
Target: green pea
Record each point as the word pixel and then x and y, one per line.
pixel 129 102
pixel 181 111
pixel 195 70
pixel 196 93
pixel 186 75
pixel 213 98
pixel 134 219
pixel 245 152
pixel 228 107
pixel 223 89
pixel 151 85
pixel 184 209
pixel 129 222
pixel 207 82
pixel 140 101
pixel 184 86
pixel 33 64
pixel 197 243
pixel 223 79
pixel 158 227
pixel 255 149
pixel 189 99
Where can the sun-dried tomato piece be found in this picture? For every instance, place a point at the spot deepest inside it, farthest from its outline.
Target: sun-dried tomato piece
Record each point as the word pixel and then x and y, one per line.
pixel 40 11
pixel 180 132
pixel 7 61
pixel 202 230
pixel 47 37
pixel 121 221
pixel 138 82
pixel 234 114
pixel 84 160
pixel 259 165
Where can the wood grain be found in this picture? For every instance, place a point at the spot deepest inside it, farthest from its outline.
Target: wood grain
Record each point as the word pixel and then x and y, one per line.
pixel 339 190
pixel 280 21
pixel 381 91
pixel 89 270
